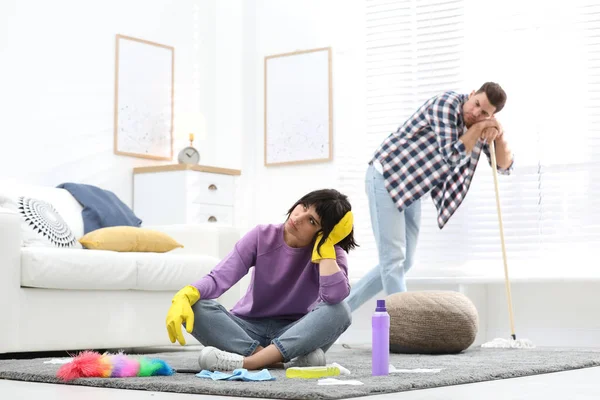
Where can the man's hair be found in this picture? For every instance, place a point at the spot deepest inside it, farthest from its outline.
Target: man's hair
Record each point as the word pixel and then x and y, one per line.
pixel 495 95
pixel 331 206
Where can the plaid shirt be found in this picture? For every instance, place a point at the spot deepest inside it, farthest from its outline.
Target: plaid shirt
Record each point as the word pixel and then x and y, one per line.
pixel 424 155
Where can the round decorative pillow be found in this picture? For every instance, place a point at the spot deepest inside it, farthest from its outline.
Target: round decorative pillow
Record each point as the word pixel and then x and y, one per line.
pixel 41 224
pixel 431 322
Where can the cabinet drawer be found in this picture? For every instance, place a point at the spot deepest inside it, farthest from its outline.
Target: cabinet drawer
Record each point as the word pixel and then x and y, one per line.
pixel 207 188
pixel 210 213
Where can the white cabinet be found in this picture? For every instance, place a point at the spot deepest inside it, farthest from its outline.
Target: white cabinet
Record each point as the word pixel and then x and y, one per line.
pixel 184 194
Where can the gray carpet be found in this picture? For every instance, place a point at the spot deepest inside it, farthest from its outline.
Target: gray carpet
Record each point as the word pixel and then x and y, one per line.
pixel 474 365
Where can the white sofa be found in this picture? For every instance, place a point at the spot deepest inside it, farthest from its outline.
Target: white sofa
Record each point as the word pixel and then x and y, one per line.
pixel 74 299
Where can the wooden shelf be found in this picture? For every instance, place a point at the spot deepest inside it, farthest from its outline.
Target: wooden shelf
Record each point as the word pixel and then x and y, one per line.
pixel 186 167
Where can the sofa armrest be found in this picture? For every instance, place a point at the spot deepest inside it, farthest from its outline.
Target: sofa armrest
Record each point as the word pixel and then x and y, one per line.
pixel 10 251
pixel 211 240
pixel 10 275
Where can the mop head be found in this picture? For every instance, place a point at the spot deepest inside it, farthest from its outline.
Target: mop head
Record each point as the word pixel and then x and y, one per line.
pixel 500 343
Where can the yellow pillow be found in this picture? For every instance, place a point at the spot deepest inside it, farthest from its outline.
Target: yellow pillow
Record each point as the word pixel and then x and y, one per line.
pixel 129 239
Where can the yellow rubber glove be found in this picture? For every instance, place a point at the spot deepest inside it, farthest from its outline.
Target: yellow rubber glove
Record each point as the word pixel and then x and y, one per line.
pixel 180 312
pixel 339 232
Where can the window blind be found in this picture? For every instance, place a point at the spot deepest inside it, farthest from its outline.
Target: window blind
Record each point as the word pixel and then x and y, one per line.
pixel 413 50
pixel 547 58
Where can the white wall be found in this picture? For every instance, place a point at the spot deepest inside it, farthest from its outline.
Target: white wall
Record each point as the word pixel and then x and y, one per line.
pixel 57 80
pixel 274 27
pixel 57 65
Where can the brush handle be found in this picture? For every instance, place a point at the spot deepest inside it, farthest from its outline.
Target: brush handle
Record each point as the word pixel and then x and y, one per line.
pixel 506 280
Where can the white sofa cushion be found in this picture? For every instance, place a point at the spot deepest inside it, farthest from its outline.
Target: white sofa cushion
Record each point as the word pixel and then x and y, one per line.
pixel 65 204
pixel 75 269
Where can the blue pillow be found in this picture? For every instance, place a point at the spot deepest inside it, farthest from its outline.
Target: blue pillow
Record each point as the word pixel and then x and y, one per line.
pixel 101 208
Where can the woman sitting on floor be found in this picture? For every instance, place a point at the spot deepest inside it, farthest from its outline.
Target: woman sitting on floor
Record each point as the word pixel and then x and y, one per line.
pixel 294 309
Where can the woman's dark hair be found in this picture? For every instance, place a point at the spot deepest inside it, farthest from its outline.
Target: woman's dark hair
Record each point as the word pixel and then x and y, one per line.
pixel 331 206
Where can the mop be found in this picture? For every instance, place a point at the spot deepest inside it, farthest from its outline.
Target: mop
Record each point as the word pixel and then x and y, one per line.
pixel 500 342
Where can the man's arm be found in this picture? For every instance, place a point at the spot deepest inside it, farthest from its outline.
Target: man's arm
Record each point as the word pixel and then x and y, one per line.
pixel 442 116
pixel 504 156
pixel 473 134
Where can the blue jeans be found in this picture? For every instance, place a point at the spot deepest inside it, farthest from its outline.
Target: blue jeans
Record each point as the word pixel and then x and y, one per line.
pixel 320 328
pixel 396 234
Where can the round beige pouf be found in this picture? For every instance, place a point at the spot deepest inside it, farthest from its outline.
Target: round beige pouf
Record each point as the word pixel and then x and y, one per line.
pixel 431 322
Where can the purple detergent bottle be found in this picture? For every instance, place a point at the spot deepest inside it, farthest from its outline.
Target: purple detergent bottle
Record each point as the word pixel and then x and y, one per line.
pixel 380 323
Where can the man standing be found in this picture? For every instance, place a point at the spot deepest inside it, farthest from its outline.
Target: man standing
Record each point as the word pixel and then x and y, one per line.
pixel 436 150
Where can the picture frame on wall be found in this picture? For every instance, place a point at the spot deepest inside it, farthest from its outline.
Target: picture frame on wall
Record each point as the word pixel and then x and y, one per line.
pixel 298 107
pixel 144 91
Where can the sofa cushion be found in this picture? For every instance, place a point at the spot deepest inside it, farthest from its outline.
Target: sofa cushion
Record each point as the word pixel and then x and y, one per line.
pixel 129 239
pixel 80 269
pixel 101 207
pixel 62 201
pixel 41 224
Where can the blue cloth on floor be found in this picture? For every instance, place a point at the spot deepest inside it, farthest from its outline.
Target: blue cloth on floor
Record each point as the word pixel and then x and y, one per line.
pixel 240 374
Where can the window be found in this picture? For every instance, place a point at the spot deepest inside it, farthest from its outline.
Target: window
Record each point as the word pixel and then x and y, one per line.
pixel 547 58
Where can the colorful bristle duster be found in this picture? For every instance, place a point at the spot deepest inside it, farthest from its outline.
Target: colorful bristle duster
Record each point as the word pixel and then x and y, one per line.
pixel 91 364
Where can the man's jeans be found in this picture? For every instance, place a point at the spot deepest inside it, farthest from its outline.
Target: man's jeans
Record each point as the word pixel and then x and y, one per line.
pixel 396 236
pixel 320 328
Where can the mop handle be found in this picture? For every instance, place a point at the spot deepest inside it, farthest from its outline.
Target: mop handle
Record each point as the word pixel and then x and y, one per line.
pixel 506 280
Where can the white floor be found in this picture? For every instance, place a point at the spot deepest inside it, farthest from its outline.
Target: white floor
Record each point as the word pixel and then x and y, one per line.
pixel 579 384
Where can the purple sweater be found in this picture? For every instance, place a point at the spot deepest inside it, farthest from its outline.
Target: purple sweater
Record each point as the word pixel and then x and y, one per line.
pixel 284 284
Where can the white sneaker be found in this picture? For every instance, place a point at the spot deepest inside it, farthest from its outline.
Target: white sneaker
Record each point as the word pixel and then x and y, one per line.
pixel 214 359
pixel 315 358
